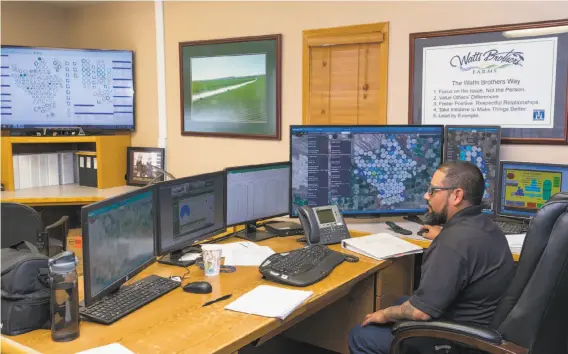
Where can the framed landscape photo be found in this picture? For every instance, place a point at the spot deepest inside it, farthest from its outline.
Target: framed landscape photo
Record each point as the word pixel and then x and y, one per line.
pixel 231 87
pixel 141 165
pixel 514 76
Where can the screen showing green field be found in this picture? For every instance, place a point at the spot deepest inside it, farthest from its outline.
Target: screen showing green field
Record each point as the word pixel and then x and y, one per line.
pixel 230 88
pixel 529 190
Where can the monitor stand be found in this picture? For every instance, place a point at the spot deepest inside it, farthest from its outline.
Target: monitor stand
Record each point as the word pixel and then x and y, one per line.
pixel 251 233
pixel 174 258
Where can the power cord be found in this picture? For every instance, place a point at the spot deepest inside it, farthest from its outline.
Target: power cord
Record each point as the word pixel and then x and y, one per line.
pixel 181 278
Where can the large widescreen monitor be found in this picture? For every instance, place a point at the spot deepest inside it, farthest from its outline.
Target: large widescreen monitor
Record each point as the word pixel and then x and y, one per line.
pixel 526 186
pixel 479 145
pixel 364 170
pixel 54 87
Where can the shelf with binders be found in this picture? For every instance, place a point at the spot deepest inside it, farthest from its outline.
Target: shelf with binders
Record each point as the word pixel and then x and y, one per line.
pixel 108 152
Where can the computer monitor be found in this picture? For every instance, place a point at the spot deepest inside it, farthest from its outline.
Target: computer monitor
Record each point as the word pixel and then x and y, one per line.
pixel 118 241
pixel 58 87
pixel 480 145
pixel 257 192
pixel 191 209
pixel 364 170
pixel 526 186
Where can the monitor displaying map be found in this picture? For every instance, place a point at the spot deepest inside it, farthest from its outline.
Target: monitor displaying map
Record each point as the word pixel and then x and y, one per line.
pixel 525 187
pixel 364 169
pixel 479 145
pixel 120 238
pixel 50 87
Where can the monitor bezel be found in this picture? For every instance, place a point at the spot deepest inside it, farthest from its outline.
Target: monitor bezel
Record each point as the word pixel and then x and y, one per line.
pixel 244 222
pixel 366 214
pixel 191 242
pixel 85 128
pixel 501 167
pixel 498 173
pixel 89 298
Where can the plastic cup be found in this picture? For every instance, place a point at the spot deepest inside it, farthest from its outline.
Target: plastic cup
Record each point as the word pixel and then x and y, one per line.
pixel 211 259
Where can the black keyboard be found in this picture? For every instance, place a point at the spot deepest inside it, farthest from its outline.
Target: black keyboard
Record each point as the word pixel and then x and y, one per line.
pixel 301 267
pixel 128 299
pixel 511 228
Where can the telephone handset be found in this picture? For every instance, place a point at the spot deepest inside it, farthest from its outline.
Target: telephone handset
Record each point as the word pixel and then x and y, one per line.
pixel 323 225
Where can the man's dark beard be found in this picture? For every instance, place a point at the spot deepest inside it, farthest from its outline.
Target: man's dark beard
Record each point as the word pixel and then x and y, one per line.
pixel 434 218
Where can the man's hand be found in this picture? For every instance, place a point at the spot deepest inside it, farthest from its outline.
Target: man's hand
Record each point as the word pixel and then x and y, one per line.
pixel 396 313
pixel 431 231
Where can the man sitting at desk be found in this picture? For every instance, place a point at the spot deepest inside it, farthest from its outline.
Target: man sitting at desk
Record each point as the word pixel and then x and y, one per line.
pixel 465 270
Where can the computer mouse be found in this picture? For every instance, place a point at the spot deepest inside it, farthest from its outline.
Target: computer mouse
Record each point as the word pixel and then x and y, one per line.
pixel 198 287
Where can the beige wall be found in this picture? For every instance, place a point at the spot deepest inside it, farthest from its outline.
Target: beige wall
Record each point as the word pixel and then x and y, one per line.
pixel 125 25
pixel 186 21
pixel 33 24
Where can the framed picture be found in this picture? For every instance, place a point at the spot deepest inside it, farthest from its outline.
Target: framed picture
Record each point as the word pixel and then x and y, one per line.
pixel 514 76
pixel 142 163
pixel 231 87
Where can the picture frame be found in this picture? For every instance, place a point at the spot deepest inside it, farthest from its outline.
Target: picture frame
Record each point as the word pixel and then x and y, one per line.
pixel 139 162
pixel 513 75
pixel 231 87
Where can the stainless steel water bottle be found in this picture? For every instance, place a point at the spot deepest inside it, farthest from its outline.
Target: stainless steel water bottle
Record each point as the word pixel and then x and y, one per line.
pixel 64 297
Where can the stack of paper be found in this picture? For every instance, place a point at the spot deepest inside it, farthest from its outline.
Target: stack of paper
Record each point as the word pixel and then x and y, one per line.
pixel 114 348
pixel 270 301
pixel 380 246
pixel 516 242
pixel 227 248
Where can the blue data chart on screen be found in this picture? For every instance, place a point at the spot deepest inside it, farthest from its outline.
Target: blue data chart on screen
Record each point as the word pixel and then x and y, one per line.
pixel 480 146
pixel 364 170
pixel 67 87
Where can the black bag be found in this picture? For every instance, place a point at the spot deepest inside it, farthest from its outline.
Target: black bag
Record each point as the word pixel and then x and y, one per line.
pixel 25 289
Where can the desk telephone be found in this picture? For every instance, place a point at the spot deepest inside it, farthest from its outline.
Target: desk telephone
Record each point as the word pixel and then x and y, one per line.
pixel 323 225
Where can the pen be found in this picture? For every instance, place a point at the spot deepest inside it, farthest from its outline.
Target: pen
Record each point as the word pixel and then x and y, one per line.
pixel 224 297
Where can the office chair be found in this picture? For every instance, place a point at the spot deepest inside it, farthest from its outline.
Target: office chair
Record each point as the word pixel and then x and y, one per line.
pixel 532 316
pixel 23 223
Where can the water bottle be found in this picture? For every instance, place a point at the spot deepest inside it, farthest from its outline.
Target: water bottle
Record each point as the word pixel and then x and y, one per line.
pixel 64 297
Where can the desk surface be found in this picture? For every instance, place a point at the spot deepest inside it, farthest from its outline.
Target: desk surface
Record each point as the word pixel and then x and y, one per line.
pixel 70 194
pixel 177 322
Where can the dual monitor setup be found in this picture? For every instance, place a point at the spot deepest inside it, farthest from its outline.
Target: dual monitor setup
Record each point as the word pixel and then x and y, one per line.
pixel 364 170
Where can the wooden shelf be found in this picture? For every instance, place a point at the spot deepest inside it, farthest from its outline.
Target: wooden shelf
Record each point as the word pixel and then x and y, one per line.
pixel 110 151
pixel 69 194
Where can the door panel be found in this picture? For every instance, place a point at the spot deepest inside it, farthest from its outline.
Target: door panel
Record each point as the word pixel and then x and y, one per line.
pixel 319 85
pixel 369 81
pixel 344 84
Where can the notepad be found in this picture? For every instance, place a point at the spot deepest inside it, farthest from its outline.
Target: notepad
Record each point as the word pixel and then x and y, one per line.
pixel 270 301
pixel 380 246
pixel 252 256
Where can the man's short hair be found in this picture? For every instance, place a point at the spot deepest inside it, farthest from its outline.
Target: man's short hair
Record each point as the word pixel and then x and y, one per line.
pixel 467 176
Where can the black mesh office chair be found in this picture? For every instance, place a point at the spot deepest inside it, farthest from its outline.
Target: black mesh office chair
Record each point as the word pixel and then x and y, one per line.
pixel 532 316
pixel 23 223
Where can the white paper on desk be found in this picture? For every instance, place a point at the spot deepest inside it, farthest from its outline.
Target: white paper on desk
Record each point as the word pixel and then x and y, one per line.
pixel 248 256
pixel 516 240
pixel 380 246
pixel 114 348
pixel 227 248
pixel 270 301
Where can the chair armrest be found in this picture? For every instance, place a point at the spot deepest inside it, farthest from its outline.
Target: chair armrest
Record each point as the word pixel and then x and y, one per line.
pixel 478 332
pixel 58 223
pixel 478 337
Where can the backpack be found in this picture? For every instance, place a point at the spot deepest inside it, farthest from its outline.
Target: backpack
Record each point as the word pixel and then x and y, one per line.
pixel 25 291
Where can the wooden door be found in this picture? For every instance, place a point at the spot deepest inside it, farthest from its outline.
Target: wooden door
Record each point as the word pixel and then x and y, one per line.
pixel 345 75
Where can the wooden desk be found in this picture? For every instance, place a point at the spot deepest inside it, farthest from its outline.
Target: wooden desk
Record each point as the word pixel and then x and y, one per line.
pixel 70 194
pixel 177 322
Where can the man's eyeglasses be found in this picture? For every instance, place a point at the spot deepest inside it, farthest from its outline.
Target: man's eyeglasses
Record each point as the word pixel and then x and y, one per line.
pixel 432 189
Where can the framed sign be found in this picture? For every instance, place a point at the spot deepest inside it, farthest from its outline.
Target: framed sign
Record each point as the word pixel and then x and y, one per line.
pixel 231 87
pixel 144 165
pixel 514 76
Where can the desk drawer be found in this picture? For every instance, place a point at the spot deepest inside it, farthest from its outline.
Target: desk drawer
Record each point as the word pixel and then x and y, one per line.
pixel 386 300
pixel 397 278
